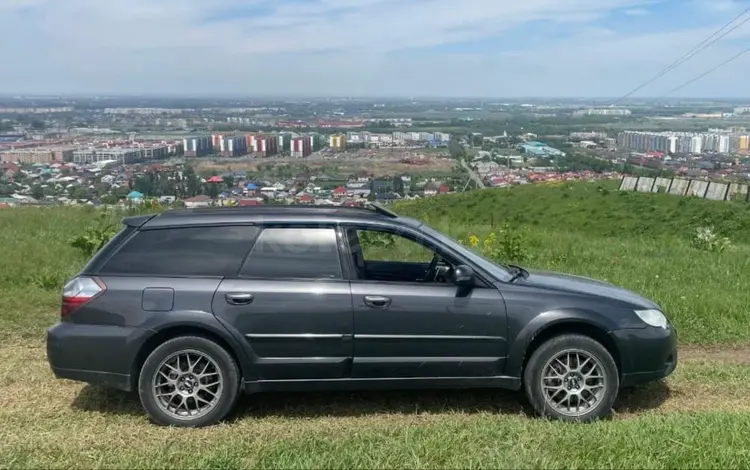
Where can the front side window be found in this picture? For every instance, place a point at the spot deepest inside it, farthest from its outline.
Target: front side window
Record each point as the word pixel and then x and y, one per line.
pixel 294 253
pixel 190 251
pixel 379 255
pixel 386 246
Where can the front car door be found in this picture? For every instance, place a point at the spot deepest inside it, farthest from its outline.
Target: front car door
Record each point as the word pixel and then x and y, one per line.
pixel 291 303
pixel 411 320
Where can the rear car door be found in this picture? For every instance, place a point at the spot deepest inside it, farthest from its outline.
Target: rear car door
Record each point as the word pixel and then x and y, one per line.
pixel 292 304
pixel 410 326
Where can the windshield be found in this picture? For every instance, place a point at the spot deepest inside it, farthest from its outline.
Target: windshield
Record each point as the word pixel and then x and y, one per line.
pixel 497 270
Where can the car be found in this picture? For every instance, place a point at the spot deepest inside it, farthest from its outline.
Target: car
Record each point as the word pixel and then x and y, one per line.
pixel 193 307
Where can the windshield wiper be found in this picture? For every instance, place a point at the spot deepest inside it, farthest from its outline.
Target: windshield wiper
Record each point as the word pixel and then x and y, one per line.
pixel 519 272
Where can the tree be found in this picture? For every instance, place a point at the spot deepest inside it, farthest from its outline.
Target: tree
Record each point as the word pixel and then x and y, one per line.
pixel 213 190
pixel 37 192
pixel 78 192
pixel 109 199
pixel 456 150
pixel 477 140
pixel 398 185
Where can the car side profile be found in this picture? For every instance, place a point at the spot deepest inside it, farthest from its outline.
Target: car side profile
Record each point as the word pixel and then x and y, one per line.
pixel 193 307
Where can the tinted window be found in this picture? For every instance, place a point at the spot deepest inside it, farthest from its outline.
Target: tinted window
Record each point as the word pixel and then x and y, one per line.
pixel 307 253
pixel 107 249
pixel 386 246
pixel 199 251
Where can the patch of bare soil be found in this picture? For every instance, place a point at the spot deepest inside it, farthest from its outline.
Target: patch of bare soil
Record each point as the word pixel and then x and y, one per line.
pixel 731 355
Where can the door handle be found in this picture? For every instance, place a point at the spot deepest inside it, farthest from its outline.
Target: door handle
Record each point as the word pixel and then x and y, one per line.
pixel 239 298
pixel 377 301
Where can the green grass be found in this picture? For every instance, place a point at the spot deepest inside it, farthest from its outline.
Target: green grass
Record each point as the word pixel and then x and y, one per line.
pixel 698 418
pixel 594 209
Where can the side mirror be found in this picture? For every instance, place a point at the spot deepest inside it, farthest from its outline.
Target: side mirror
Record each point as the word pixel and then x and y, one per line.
pixel 463 276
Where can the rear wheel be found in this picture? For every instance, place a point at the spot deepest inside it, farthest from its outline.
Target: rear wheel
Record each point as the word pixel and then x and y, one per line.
pixel 572 378
pixel 189 381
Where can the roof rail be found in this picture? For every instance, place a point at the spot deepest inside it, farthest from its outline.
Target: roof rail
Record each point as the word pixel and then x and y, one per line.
pixel 380 209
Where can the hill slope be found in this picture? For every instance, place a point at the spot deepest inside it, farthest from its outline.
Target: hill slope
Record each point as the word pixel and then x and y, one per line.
pixel 592 208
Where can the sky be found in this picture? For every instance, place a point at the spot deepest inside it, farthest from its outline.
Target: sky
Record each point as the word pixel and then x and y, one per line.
pixel 398 48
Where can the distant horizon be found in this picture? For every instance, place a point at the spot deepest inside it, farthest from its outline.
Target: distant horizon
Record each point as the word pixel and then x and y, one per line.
pixel 605 100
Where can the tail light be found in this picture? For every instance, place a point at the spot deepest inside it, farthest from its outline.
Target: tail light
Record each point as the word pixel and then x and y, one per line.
pixel 79 292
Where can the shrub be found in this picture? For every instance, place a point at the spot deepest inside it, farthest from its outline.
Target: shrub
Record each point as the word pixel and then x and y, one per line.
pixel 706 239
pixel 95 236
pixel 506 244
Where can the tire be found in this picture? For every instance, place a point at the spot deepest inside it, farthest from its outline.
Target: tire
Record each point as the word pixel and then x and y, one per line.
pixel 598 395
pixel 212 377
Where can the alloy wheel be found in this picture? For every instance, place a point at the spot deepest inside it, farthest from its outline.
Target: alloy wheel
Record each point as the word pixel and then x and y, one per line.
pixel 187 384
pixel 573 382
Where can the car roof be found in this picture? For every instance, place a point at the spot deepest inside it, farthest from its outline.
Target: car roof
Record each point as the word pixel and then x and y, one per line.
pixel 271 213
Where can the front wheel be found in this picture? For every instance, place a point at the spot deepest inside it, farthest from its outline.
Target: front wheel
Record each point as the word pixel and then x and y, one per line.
pixel 572 378
pixel 189 381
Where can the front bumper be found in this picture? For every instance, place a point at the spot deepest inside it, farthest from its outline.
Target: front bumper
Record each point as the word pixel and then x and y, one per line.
pixel 646 354
pixel 98 354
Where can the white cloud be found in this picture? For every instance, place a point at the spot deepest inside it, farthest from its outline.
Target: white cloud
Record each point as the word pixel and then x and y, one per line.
pixel 166 46
pixel 636 12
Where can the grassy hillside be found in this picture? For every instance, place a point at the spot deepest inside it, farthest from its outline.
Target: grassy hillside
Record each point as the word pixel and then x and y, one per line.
pixel 594 209
pixel 698 418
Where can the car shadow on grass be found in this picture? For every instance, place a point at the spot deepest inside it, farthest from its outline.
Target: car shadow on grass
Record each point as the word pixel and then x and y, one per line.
pixel 357 404
pixel 643 397
pixel 353 404
pixel 107 401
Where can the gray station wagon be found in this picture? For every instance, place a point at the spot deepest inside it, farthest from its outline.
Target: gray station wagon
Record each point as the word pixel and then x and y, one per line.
pixel 192 307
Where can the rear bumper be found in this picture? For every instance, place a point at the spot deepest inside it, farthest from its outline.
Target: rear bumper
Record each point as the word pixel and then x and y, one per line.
pixel 97 354
pixel 646 354
pixel 107 379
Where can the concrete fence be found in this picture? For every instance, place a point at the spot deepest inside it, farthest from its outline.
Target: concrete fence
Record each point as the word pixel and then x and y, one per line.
pixel 685 187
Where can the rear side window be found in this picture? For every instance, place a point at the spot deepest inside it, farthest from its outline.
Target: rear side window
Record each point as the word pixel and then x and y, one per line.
pixel 111 246
pixel 294 253
pixel 194 251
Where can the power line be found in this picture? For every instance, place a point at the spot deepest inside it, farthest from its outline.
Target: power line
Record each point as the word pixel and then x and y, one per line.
pixel 693 80
pixel 692 52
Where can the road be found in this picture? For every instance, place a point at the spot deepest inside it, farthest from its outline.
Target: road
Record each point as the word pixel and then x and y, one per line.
pixel 473 175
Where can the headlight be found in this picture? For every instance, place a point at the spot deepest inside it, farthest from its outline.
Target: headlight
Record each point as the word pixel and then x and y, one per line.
pixel 653 318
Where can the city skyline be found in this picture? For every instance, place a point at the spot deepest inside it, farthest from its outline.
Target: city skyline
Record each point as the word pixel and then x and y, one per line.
pixel 540 48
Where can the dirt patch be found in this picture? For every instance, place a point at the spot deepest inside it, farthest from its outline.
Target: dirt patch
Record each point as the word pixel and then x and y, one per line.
pixel 732 355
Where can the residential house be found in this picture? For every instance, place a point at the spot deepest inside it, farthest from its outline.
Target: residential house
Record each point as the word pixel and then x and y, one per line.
pixel 251 202
pixel 380 185
pixel 340 192
pixel 198 201
pixel 135 196
pixel 305 199
pixel 386 198
pixel 430 189
pixel 268 191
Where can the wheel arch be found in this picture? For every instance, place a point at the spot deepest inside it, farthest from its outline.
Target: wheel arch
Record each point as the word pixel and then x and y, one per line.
pixel 551 324
pixel 176 330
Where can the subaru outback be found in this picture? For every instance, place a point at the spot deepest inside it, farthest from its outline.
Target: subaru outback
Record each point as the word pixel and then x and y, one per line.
pixel 190 308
